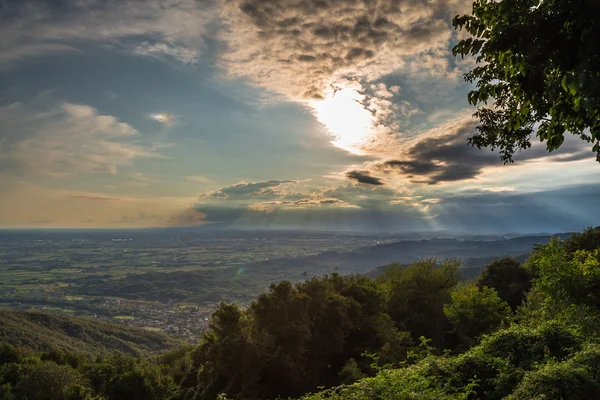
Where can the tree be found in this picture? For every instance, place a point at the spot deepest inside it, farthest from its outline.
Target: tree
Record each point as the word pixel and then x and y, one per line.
pixel 351 372
pixel 569 279
pixel 226 357
pixel 417 295
pixel 539 66
pixel 475 311
pixel 48 381
pixel 508 278
pixel 587 240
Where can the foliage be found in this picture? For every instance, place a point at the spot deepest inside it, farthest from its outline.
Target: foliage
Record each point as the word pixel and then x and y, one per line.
pixel 351 372
pixel 539 66
pixel 475 311
pixel 567 287
pixel 46 332
pixel 417 295
pixel 48 381
pixel 576 378
pixel 297 338
pixel 550 352
pixel 508 278
pixel 416 332
pixel 587 240
pixel 28 375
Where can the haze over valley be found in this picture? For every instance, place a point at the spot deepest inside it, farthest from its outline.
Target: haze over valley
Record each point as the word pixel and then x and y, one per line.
pixel 171 280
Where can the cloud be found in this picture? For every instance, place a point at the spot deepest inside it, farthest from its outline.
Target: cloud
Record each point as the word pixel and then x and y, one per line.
pixel 300 47
pixel 315 199
pixel 369 196
pixel 198 179
pixel 140 180
pixel 94 197
pixel 10 55
pixel 187 217
pixel 156 28
pixel 499 189
pixel 311 51
pixel 162 51
pixel 271 196
pixel 241 190
pixel 364 177
pixel 461 212
pixel 163 118
pixel 65 140
pixel 443 155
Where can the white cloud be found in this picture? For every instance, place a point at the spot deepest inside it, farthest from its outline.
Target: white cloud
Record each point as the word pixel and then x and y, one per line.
pixel 301 47
pixel 198 179
pixel 168 28
pixel 159 51
pixel 65 140
pixel 309 50
pixel 499 189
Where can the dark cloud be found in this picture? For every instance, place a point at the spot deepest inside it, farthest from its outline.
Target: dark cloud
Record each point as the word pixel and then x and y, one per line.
pixel 511 211
pixel 364 177
pixel 473 212
pixel 368 197
pixel 186 217
pixel 269 197
pixel 447 157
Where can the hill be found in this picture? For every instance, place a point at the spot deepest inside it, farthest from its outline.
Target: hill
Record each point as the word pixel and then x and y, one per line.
pixel 418 332
pixel 43 332
pixel 470 268
pixel 471 253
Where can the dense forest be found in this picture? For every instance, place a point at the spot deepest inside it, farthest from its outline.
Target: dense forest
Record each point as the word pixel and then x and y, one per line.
pixel 45 332
pixel 518 331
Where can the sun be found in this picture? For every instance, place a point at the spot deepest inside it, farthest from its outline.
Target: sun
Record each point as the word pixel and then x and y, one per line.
pixel 344 115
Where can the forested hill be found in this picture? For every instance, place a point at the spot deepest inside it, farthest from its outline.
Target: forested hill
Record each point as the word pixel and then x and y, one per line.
pixel 416 332
pixel 472 252
pixel 44 332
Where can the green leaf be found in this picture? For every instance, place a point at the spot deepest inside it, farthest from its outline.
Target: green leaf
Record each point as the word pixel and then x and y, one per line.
pixel 565 82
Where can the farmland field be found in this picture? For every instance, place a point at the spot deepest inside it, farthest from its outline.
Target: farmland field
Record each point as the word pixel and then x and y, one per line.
pixel 156 279
pixel 171 280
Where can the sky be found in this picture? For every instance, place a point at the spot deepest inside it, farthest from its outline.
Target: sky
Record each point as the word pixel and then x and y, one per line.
pixel 300 114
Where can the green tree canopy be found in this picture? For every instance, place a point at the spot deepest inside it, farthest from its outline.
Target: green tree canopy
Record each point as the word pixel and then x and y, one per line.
pixel 48 381
pixel 508 278
pixel 475 311
pixel 417 295
pixel 538 64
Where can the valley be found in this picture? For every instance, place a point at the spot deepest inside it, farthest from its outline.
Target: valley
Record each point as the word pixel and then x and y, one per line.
pixel 171 281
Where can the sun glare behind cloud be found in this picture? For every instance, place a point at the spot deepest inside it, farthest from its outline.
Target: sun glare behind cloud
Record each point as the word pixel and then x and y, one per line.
pixel 343 114
pixel 163 118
